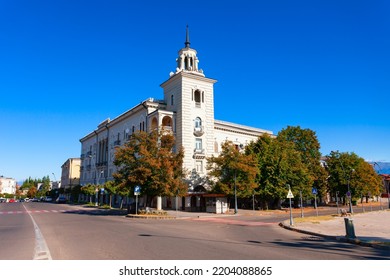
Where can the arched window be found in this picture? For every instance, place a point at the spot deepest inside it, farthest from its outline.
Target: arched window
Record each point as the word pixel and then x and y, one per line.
pixel 216 146
pixel 167 121
pixel 198 122
pixel 154 123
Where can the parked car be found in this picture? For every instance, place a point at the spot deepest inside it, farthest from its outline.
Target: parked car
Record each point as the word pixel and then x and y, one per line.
pixel 48 199
pixel 35 199
pixel 11 200
pixel 61 199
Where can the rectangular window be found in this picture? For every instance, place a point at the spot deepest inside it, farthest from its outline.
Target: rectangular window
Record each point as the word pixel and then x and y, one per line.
pixel 198 144
pixel 199 166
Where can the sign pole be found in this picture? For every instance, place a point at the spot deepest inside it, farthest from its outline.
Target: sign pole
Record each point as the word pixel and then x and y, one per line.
pixel 137 192
pixel 315 192
pixel 289 196
pixel 291 218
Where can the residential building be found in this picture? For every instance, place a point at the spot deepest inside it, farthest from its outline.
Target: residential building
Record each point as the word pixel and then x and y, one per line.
pixel 7 185
pixel 187 110
pixel 70 173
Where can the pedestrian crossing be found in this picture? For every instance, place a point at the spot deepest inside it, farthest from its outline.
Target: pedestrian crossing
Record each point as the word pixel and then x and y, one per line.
pixel 32 212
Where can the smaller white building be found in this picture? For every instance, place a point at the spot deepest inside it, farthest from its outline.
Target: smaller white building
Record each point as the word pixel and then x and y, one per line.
pixel 7 185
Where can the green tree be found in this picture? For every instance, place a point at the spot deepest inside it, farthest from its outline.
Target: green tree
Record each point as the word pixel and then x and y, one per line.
pixel 148 160
pixel 350 170
pixel 89 190
pixel 305 141
pixel 230 169
pixel 279 165
pixel 111 188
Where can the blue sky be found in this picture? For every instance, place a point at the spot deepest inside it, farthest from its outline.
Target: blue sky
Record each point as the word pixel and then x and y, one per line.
pixel 67 65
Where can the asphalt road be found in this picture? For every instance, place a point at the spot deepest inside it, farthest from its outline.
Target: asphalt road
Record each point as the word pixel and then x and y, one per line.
pixel 65 232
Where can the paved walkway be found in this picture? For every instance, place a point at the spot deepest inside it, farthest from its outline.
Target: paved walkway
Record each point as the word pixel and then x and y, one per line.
pixel 370 228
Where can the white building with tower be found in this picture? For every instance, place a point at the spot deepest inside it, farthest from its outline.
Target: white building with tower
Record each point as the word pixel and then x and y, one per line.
pixel 187 109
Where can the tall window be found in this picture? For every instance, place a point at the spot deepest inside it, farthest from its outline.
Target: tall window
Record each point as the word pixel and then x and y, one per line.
pixel 198 144
pixel 199 166
pixel 197 98
pixel 198 122
pixel 172 99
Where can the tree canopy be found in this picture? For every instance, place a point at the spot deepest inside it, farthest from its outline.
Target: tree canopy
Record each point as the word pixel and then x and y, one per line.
pixel 148 160
pixel 232 168
pixel 348 169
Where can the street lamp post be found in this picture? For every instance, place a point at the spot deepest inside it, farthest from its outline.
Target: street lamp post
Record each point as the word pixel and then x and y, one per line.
pixel 300 196
pixel 235 193
pixel 349 194
pixel 239 147
pixel 54 176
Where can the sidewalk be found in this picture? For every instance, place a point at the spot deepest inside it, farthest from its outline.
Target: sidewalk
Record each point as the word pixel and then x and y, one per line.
pixel 370 228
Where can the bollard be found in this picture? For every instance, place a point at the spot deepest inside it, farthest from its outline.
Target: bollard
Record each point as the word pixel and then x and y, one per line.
pixel 349 228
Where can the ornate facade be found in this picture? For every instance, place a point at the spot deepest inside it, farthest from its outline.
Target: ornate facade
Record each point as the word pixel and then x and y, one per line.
pixel 187 109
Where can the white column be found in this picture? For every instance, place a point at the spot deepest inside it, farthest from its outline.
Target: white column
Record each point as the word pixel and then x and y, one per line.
pixel 182 62
pixel 159 203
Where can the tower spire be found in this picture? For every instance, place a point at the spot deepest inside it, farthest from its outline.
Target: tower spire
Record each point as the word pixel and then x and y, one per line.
pixel 187 42
pixel 187 60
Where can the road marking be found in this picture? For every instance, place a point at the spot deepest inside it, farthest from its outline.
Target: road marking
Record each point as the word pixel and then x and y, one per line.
pixel 32 211
pixel 41 251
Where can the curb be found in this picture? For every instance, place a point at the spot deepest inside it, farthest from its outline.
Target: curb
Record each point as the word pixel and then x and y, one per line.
pixel 355 241
pixel 150 217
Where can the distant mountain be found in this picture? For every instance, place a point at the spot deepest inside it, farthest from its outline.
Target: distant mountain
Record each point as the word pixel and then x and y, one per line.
pixel 382 167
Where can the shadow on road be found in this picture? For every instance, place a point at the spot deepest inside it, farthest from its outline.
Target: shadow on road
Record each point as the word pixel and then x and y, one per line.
pixel 97 212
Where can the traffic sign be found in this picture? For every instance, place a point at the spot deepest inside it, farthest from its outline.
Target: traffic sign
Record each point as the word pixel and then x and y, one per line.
pixel 137 190
pixel 290 194
pixel 314 191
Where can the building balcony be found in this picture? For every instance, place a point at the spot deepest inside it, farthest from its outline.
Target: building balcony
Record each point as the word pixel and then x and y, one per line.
pixel 199 153
pixel 100 164
pixel 198 131
pixel 167 129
